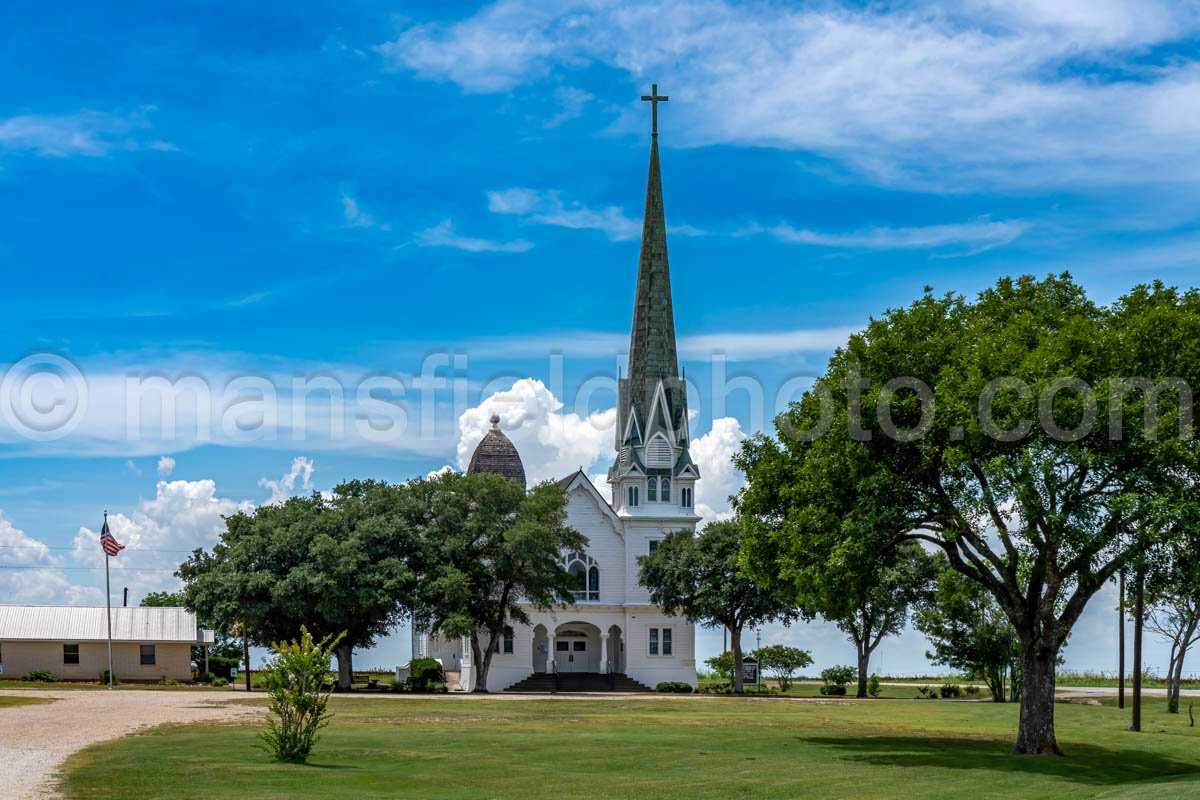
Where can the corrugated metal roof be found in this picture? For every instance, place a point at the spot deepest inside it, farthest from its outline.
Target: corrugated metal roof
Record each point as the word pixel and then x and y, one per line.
pixel 87 624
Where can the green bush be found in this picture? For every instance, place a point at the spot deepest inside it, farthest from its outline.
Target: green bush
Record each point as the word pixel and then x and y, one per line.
pixel 972 690
pixel 104 678
pixel 950 690
pixel 436 687
pixel 219 682
pixel 423 673
pixel 830 689
pixel 168 682
pixel 295 677
pixel 839 676
pixel 204 677
pixel 39 676
pixel 873 686
pixel 927 692
pixel 673 687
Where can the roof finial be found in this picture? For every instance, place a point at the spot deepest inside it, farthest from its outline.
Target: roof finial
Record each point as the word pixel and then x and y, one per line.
pixel 654 98
pixel 495 422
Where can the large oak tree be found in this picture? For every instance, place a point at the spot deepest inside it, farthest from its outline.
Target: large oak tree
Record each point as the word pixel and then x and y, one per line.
pixel 1033 436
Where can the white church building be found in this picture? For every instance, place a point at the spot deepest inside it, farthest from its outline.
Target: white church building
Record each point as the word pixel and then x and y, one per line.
pixel 612 636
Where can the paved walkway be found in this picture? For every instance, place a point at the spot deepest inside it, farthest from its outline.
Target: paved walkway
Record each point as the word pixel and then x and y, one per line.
pixel 36 739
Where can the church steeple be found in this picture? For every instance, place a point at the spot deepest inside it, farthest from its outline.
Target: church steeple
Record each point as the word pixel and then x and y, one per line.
pixel 652 435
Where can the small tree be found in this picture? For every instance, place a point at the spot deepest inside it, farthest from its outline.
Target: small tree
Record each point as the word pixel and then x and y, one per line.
pixel 297 678
pixel 723 664
pixel 969 632
pixel 698 577
pixel 782 662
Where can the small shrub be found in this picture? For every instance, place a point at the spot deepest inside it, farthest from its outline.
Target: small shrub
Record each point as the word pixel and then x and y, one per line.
pixel 294 677
pixel 837 677
pixel 423 673
pixel 168 682
pixel 437 687
pixel 204 677
pixel 950 690
pixel 972 690
pixel 104 678
pixel 927 692
pixel 219 682
pixel 829 689
pixel 39 676
pixel 873 686
pixel 673 687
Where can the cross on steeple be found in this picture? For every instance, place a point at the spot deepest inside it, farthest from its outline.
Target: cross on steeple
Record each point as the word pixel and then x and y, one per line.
pixel 654 99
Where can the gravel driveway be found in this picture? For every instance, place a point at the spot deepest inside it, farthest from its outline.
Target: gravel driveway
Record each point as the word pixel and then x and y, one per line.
pixel 35 739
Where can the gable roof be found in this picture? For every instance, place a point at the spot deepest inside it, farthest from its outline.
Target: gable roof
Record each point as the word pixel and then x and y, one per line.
pixel 87 624
pixel 580 478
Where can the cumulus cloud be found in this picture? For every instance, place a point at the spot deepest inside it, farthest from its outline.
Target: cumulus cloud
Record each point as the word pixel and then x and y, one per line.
pixel 552 442
pixel 158 535
pixel 166 466
pixel 298 480
pixel 916 94
pixel 719 480
pixel 444 235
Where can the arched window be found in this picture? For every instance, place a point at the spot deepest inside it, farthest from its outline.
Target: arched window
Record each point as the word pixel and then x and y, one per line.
pixel 578 579
pixel 633 496
pixel 666 490
pixel 652 490
pixel 593 584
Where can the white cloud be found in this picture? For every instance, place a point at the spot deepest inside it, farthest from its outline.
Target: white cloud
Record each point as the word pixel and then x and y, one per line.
pixel 444 235
pixel 912 94
pixel 547 208
pixel 298 480
pixel 442 470
pixel 158 534
pixel 571 101
pixel 166 466
pixel 86 133
pixel 971 237
pixel 713 453
pixel 552 442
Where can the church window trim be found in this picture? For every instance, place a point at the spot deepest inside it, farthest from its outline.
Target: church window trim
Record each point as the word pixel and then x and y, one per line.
pixel 685 496
pixel 587 572
pixel 652 490
pixel 664 492
pixel 659 642
pixel 631 496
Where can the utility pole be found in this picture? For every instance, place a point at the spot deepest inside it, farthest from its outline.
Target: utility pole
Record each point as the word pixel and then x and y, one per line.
pixel 246 652
pixel 1139 608
pixel 1121 642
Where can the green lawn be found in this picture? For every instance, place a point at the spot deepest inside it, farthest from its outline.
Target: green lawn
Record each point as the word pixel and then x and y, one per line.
pixel 699 747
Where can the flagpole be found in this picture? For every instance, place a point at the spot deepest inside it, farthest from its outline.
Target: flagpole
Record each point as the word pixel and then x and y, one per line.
pixel 108 610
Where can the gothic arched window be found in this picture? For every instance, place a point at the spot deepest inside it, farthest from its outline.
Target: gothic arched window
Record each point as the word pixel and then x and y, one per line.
pixel 666 490
pixel 593 584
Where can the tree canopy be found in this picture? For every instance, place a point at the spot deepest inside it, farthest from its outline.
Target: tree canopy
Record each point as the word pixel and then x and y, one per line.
pixel 1034 437
pixel 486 548
pixel 698 577
pixel 333 564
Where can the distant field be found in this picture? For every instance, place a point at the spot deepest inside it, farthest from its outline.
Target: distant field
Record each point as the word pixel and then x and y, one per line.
pixel 449 748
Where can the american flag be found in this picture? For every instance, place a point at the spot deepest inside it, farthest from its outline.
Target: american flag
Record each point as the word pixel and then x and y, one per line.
pixel 110 545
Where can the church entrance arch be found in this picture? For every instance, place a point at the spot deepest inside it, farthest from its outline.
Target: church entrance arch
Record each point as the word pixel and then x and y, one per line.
pixel 577 647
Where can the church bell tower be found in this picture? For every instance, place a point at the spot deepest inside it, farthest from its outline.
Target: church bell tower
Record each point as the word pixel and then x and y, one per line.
pixel 654 475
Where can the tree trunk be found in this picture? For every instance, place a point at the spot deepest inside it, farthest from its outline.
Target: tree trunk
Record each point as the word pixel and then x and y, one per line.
pixel 864 661
pixel 345 659
pixel 995 683
pixel 1035 732
pixel 735 640
pixel 483 659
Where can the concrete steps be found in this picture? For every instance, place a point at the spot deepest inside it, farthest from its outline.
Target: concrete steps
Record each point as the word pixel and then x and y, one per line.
pixel 577 682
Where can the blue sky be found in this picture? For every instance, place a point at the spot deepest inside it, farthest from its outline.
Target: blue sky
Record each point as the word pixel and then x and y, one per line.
pixel 260 194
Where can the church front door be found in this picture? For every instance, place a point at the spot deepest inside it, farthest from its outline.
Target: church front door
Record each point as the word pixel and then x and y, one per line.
pixel 571 655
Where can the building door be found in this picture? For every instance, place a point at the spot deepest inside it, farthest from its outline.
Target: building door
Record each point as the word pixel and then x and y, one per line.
pixel 571 655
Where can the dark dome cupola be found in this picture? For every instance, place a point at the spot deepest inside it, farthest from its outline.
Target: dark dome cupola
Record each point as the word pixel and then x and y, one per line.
pixel 498 455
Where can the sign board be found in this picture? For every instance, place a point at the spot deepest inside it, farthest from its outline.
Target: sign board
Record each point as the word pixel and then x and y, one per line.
pixel 232 673
pixel 749 671
pixel 1 669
